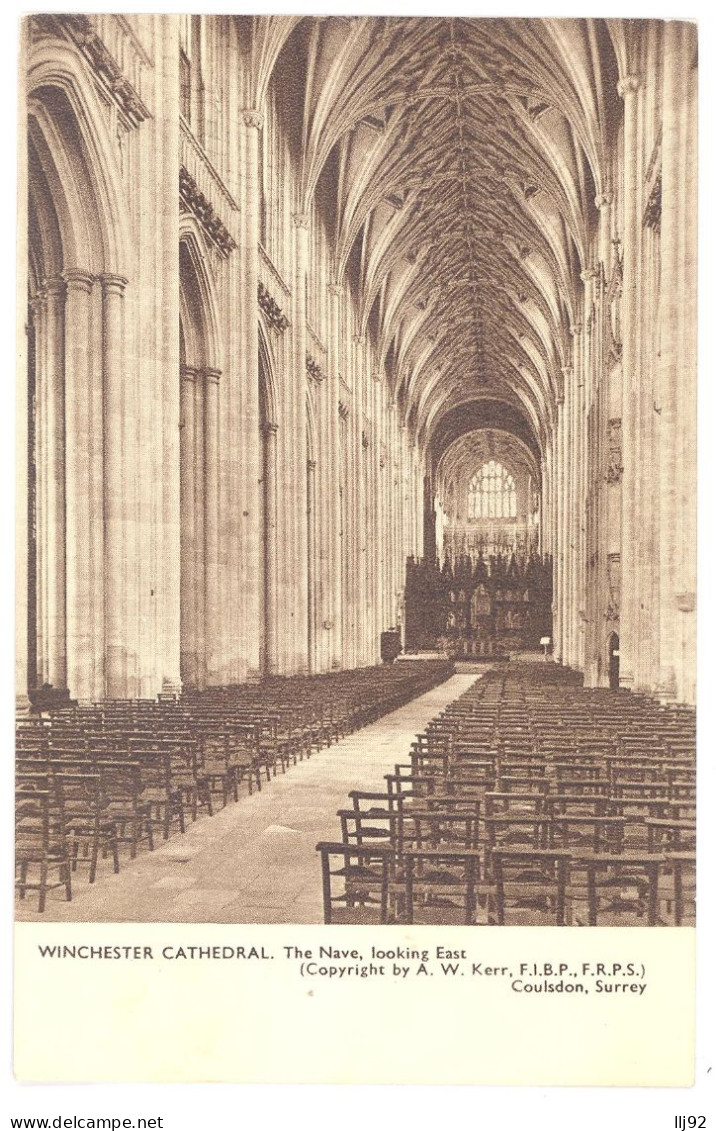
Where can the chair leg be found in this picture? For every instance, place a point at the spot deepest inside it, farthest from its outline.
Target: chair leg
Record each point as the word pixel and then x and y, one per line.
pixel 43 886
pixel 93 858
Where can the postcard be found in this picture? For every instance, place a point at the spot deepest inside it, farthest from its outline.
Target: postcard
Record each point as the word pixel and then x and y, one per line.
pixel 356 550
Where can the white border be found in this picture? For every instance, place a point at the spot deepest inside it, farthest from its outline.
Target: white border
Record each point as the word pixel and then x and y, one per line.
pixel 238 1106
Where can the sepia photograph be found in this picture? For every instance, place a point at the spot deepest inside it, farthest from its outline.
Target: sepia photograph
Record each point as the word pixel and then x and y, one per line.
pixel 356 577
pixel 356 492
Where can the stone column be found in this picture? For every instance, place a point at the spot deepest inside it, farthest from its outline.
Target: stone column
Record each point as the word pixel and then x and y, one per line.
pixel 213 597
pixel 628 89
pixel 677 367
pixel 301 221
pixel 54 378
pixel 335 291
pixel 247 471
pixel 560 547
pixel 359 546
pixel 199 530
pixel 115 473
pixel 188 578
pixel 169 391
pixel 23 651
pixel 41 673
pixel 311 563
pixel 78 384
pixel 270 549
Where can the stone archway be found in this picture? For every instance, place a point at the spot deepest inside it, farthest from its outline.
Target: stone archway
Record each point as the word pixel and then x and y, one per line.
pixel 199 467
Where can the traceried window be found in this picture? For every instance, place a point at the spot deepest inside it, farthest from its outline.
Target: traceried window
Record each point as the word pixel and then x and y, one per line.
pixel 492 493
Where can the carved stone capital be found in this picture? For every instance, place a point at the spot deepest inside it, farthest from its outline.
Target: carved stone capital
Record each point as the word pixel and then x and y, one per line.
pixel 188 373
pixel 587 275
pixel 113 284
pixel 78 279
pixel 603 200
pixel 211 376
pixel 301 220
pixel 270 428
pixel 254 119
pixel 576 329
pixel 628 85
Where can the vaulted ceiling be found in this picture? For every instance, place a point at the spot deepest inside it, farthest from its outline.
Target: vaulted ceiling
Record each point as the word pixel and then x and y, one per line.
pixel 465 157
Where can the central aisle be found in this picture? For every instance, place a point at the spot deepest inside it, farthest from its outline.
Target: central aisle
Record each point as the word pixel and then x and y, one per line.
pixel 256 860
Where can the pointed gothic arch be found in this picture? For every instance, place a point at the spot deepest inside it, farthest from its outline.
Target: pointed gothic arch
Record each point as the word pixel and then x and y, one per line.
pixel 200 353
pixel 78 638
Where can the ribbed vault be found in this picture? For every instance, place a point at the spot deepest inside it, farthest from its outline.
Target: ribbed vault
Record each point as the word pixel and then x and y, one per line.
pixel 469 154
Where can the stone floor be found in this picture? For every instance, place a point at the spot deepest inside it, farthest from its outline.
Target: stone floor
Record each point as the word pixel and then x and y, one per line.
pixel 256 860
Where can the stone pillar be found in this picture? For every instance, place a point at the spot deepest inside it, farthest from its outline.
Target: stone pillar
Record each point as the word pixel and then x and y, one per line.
pixel 560 559
pixel 311 563
pixel 23 651
pixel 188 578
pixel 54 378
pixel 247 471
pixel 358 544
pixel 41 567
pixel 335 291
pixel 677 367
pixel 213 597
pixel 628 88
pixel 170 388
pixel 78 384
pixel 301 223
pixel 199 530
pixel 270 549
pixel 115 473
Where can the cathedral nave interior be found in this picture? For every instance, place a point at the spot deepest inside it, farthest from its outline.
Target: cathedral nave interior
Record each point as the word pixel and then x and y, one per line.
pixel 357 380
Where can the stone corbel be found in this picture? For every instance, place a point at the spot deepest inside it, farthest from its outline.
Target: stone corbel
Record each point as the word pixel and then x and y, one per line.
pixel 314 370
pixel 272 310
pixel 253 119
pixel 628 85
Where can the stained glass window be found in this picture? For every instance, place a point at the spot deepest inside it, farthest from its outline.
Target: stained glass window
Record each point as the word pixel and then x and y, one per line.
pixel 492 493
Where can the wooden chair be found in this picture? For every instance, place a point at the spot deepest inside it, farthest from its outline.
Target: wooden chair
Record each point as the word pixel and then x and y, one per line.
pixel 620 890
pixel 360 894
pixel 440 885
pixel 530 885
pixel 40 845
pixel 680 888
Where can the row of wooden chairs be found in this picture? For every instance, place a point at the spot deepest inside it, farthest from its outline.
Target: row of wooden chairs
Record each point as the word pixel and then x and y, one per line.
pixel 93 779
pixel 529 775
pixel 371 883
